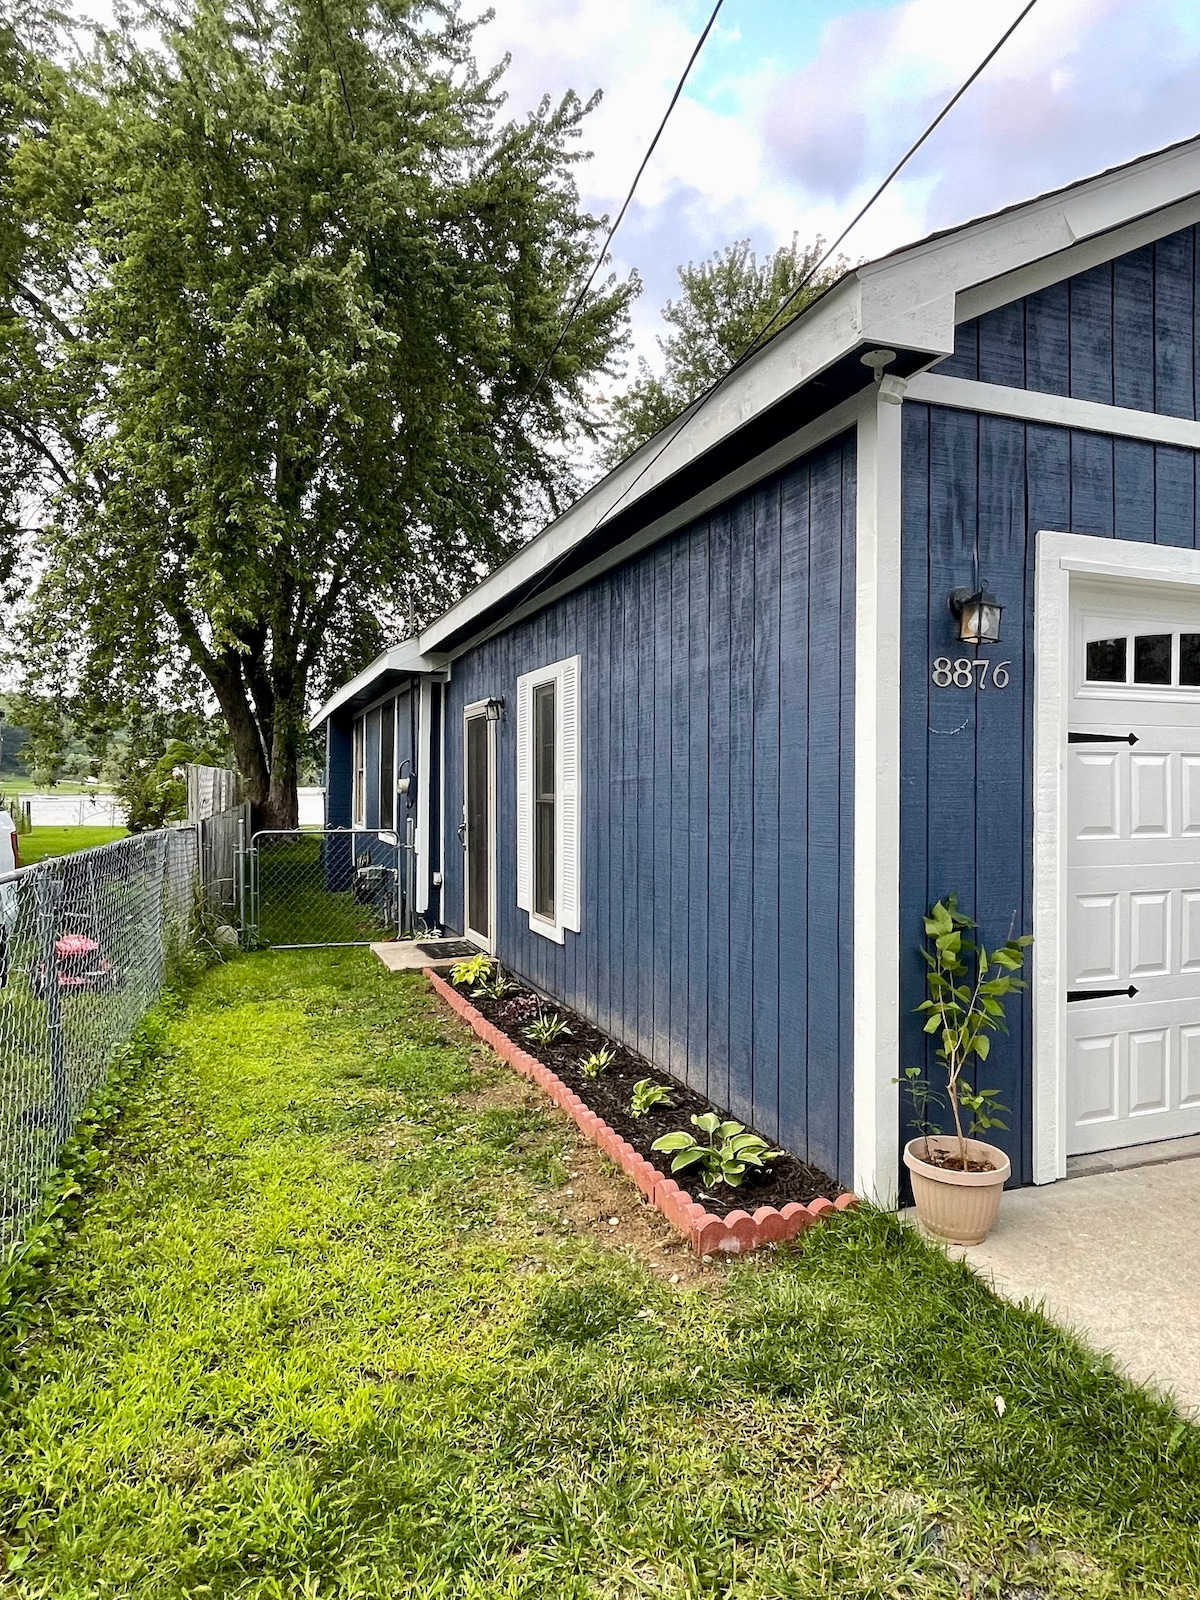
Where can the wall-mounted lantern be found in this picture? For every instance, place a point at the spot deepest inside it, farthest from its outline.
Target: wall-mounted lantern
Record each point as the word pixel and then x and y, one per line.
pixel 494 710
pixel 977 612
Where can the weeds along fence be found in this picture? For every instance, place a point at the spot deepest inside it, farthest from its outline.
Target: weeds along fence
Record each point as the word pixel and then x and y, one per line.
pixel 86 942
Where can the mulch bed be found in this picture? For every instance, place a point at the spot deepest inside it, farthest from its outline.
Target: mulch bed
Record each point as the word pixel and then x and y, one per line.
pixel 788 1178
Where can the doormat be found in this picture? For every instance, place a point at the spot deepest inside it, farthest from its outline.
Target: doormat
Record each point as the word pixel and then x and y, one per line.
pixel 449 950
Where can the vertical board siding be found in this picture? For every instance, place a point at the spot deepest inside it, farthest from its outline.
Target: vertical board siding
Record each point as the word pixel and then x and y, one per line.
pixel 976 490
pixel 717 700
pixel 1122 333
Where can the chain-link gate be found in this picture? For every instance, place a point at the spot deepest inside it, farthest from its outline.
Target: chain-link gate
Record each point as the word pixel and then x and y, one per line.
pixel 325 886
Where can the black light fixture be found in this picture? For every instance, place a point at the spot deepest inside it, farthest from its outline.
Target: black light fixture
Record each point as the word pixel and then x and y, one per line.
pixel 494 710
pixel 977 612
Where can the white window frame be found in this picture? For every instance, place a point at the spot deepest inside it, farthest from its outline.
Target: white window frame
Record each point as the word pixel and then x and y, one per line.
pixel 568 809
pixel 358 772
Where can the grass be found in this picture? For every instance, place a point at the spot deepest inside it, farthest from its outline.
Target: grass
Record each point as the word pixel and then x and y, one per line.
pixel 14 783
pixel 322 1331
pixel 39 843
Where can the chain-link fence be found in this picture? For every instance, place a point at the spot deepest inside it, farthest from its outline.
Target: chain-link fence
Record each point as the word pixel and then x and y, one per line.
pixel 85 941
pixel 327 886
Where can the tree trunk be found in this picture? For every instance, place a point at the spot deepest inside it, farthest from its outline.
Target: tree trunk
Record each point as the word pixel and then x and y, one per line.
pixel 281 808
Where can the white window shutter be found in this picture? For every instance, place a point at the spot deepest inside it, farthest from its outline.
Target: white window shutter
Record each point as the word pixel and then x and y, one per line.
pixel 525 794
pixel 569 797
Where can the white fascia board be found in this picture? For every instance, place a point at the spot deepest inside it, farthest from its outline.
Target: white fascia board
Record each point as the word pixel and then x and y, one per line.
pixel 404 657
pixel 1091 252
pixel 921 278
pixel 831 329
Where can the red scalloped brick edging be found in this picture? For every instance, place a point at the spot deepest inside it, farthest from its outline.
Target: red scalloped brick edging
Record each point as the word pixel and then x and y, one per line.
pixel 734 1234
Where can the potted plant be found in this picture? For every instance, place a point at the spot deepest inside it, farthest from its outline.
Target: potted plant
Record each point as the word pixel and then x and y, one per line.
pixel 957 1178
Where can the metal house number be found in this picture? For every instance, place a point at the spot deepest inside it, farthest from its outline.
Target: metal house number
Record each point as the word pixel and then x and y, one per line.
pixel 965 673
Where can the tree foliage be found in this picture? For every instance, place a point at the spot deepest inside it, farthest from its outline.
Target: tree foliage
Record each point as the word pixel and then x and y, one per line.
pixel 307 277
pixel 726 303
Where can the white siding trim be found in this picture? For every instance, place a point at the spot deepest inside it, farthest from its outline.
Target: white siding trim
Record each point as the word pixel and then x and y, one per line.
pixel 801 443
pixel 877 801
pixel 1093 251
pixel 1031 405
pixel 478 708
pixel 424 783
pixel 568 843
pixel 524 806
pixel 1059 555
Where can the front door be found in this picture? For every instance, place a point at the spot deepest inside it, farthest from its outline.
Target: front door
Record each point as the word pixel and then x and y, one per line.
pixel 1133 868
pixel 479 827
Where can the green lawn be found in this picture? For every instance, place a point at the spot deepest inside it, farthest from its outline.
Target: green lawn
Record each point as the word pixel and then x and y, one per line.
pixel 324 1331
pixel 39 843
pixel 11 783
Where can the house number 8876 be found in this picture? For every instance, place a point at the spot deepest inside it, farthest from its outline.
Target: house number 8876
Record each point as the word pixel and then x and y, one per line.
pixel 963 673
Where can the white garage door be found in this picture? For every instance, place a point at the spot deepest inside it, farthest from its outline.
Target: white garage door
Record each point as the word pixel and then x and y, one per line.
pixel 1133 869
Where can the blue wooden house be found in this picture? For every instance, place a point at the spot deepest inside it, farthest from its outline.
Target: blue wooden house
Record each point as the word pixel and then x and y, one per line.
pixel 911 607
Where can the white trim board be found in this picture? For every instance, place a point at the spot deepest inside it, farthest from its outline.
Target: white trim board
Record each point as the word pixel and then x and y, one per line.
pixel 877 801
pixel 803 442
pixel 1093 251
pixel 1059 410
pixel 1059 557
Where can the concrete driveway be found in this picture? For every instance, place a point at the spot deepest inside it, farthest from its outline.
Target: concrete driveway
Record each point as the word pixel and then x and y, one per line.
pixel 1116 1257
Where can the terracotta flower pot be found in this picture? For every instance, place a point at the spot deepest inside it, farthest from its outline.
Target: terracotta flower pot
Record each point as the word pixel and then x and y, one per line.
pixel 958 1206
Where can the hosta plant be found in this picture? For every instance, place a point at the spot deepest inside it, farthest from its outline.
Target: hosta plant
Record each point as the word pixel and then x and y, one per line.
pixel 495 985
pixel 723 1155
pixel 546 1028
pixel 474 970
pixel 646 1095
pixel 599 1061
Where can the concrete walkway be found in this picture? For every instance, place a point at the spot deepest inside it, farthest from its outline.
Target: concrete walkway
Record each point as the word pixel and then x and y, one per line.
pixel 1116 1257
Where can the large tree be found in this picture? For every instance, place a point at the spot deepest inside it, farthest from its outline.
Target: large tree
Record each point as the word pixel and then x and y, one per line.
pixel 310 279
pixel 726 303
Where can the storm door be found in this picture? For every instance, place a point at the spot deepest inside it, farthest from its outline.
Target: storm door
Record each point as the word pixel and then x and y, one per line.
pixel 479 826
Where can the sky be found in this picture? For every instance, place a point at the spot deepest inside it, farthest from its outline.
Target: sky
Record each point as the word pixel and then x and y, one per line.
pixel 797 108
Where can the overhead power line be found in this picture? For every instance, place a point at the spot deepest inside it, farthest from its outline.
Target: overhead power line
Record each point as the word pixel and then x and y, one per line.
pixel 756 343
pixel 581 297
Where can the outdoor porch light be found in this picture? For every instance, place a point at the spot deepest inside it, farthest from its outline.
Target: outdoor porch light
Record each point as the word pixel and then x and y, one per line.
pixel 494 710
pixel 978 614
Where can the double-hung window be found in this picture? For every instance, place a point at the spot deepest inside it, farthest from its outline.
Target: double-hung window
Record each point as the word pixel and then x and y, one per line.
pixel 387 766
pixel 548 799
pixel 359 817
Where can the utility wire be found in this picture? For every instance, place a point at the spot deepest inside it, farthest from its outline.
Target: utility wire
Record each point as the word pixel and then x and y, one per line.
pixel 577 306
pixel 755 344
pixel 702 400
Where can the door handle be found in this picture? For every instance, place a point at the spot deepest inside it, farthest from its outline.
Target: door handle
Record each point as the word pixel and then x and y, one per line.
pixel 462 833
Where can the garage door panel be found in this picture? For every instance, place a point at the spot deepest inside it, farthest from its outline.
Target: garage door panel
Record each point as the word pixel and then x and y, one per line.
pixel 1150 934
pixel 1150 796
pixel 1095 795
pixel 1149 1071
pixel 1096 937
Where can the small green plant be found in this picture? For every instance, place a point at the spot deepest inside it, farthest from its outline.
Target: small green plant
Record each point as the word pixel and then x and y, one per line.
pixel 546 1028
pixel 646 1095
pixel 599 1061
pixel 726 1155
pixel 967 987
pixel 495 985
pixel 473 970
